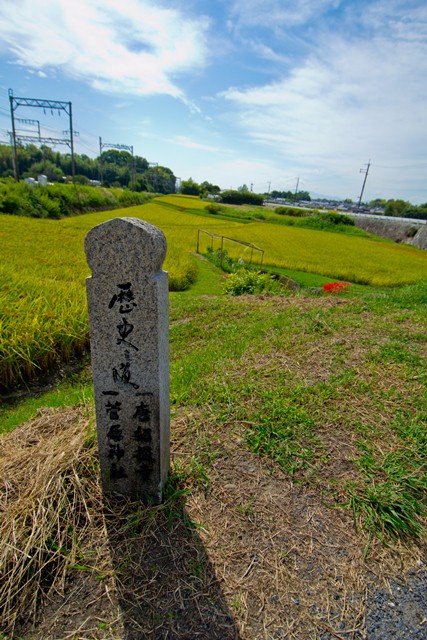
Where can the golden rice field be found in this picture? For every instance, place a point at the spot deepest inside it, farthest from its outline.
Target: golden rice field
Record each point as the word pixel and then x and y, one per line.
pixel 183 201
pixel 43 270
pixel 351 258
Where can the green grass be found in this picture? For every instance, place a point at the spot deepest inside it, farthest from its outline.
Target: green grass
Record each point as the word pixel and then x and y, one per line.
pixel 392 498
pixel 210 281
pixel 292 377
pixel 44 270
pixel 76 389
pixel 288 374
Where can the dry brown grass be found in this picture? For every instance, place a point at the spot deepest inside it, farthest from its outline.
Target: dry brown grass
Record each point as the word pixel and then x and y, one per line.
pixel 240 552
pixel 51 508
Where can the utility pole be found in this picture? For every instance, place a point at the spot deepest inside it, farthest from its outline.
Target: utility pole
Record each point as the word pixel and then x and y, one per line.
pixel 57 105
pixel 252 185
pixel 13 138
pixel 269 186
pixel 101 176
pixel 365 171
pixel 296 189
pixel 155 175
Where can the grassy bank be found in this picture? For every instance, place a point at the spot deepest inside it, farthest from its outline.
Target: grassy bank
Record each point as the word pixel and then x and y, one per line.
pixel 56 201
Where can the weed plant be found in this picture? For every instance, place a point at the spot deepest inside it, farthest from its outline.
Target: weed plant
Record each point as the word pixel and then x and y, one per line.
pixel 246 281
pixel 243 279
pixel 221 259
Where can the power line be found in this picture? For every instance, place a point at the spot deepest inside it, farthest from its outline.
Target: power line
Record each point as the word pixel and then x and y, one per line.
pixel 57 105
pixel 119 147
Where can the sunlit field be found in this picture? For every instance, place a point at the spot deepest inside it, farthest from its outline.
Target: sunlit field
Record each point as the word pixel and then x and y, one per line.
pixel 359 260
pixel 44 269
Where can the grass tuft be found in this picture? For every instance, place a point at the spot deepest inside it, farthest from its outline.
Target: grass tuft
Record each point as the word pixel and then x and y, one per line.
pixel 50 503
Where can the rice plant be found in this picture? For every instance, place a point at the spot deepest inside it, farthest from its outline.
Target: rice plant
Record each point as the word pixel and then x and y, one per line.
pixel 44 268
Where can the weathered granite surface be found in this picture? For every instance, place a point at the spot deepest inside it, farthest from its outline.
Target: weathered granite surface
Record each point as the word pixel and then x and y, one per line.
pixel 129 324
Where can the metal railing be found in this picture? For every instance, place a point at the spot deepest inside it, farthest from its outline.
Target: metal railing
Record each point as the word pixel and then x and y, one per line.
pixel 248 245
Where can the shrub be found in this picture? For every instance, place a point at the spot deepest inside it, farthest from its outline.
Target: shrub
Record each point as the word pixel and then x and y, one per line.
pixel 12 203
pixel 221 259
pixel 184 272
pixel 245 281
pixel 241 197
pixel 335 218
pixel 51 207
pixel 214 208
pixel 60 200
pixel 290 211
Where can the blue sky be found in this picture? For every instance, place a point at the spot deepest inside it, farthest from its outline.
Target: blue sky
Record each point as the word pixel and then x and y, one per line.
pixel 233 92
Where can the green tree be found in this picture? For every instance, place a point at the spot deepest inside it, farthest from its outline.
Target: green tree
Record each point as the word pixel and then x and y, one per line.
pixel 396 208
pixel 6 167
pixel 378 202
pixel 241 197
pixel 160 179
pixel 47 168
pixel 207 187
pixel 190 188
pixel 302 195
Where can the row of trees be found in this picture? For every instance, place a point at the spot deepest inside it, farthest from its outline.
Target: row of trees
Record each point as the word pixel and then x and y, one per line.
pixel 190 187
pixel 291 196
pixel 401 208
pixel 114 168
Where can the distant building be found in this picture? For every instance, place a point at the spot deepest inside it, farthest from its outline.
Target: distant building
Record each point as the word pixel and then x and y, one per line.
pixel 42 180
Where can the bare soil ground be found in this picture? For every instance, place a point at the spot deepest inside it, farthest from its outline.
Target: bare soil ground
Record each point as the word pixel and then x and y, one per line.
pixel 239 553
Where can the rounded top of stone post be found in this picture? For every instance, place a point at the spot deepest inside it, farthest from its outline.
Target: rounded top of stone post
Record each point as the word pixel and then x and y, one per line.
pixel 123 244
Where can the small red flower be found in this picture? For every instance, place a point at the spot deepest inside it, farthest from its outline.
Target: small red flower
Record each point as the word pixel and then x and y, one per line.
pixel 335 287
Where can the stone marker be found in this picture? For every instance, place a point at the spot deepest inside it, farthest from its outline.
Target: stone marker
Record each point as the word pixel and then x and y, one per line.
pixel 129 323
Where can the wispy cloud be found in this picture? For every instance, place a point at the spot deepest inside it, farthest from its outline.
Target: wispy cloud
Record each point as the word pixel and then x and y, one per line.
pixel 352 98
pixel 134 47
pixel 273 13
pixel 184 141
pixel 266 52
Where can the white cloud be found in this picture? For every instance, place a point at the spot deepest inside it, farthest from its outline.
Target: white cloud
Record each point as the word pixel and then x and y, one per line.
pixel 405 20
pixel 266 52
pixel 349 101
pixel 184 141
pixel 274 13
pixel 134 46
